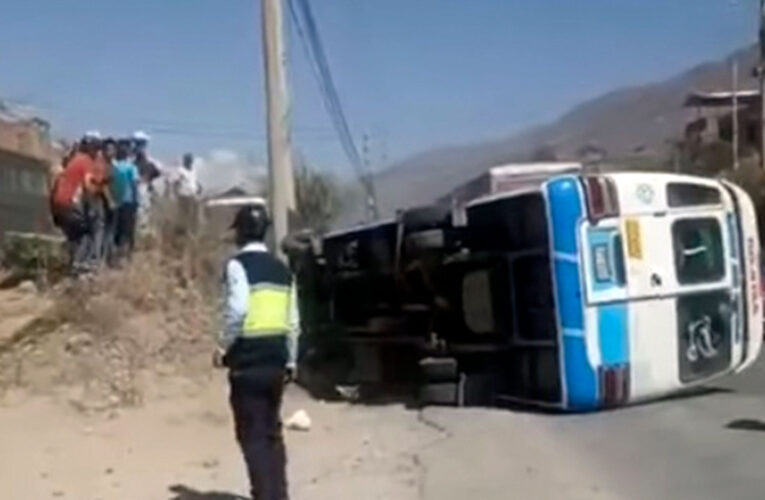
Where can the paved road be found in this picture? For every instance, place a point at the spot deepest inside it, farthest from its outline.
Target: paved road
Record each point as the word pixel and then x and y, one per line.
pixel 679 449
pixel 709 446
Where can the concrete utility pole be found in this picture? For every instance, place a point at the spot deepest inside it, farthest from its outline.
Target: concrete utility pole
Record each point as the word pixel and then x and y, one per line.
pixel 282 183
pixel 734 114
pixel 761 78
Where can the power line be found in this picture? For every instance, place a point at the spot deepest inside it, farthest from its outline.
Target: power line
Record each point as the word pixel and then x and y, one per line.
pixel 312 44
pixel 315 51
pixel 230 134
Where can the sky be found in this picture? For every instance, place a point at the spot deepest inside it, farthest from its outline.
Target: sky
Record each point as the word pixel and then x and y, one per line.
pixel 412 74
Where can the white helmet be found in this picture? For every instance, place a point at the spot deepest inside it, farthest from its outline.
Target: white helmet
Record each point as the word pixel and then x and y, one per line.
pixel 93 135
pixel 141 136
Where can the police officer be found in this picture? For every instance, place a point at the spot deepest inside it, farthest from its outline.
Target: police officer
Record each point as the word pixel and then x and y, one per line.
pixel 258 346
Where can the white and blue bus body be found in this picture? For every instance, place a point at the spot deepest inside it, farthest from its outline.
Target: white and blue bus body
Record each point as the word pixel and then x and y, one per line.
pixel 656 284
pixel 579 292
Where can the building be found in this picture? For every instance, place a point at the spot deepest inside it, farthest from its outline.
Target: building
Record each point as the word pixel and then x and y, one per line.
pixel 712 118
pixel 221 205
pixel 26 155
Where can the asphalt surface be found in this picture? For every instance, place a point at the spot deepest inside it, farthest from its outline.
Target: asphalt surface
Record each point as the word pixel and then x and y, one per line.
pixel 181 447
pixel 708 445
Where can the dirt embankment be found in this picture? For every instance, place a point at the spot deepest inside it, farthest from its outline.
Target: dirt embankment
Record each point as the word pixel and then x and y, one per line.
pixel 100 342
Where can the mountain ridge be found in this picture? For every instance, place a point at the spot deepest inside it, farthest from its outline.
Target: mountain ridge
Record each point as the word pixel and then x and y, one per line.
pixel 636 119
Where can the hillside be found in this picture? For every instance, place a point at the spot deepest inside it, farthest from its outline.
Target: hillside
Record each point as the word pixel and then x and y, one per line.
pixel 624 121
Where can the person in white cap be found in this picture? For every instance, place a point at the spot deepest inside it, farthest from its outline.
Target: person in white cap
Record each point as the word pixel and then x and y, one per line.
pixel 92 135
pixel 141 136
pixel 147 167
pixel 148 172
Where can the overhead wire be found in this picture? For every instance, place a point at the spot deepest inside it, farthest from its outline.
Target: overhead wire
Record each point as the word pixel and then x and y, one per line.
pixel 305 24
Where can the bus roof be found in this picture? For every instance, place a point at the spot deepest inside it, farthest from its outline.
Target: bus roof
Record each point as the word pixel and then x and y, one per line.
pixel 500 196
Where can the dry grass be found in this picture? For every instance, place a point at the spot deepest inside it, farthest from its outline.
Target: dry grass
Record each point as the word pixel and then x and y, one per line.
pixel 110 335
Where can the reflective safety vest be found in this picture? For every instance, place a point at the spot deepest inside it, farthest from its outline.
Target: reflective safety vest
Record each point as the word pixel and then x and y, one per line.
pixel 268 309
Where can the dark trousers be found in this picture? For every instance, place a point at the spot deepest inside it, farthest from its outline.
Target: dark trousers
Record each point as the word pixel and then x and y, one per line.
pixel 256 400
pixel 124 232
pixel 110 228
pixel 73 222
pixel 97 213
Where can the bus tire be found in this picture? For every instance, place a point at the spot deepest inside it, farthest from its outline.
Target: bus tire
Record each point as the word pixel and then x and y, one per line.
pixel 440 394
pixel 427 217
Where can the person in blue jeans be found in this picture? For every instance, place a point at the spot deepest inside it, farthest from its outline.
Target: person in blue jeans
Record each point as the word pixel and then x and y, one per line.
pixel 124 189
pixel 104 251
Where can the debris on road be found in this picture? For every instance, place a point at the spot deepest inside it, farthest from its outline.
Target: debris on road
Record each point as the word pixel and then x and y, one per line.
pixel 349 392
pixel 299 421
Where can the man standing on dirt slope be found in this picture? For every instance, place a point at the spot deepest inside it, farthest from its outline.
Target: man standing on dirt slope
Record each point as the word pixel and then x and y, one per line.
pixel 187 190
pixel 69 202
pixel 259 347
pixel 148 171
pixel 124 189
pixel 101 205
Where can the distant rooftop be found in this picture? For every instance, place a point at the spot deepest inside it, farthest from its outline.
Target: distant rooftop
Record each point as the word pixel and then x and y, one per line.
pixel 721 98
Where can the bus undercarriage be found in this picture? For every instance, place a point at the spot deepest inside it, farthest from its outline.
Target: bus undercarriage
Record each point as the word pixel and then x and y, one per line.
pixel 454 315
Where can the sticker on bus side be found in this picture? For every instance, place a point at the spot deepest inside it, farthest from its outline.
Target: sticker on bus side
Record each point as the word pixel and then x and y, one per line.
pixel 634 245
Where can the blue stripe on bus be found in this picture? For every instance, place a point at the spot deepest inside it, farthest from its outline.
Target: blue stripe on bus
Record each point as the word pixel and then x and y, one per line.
pixel 614 339
pixel 565 206
pixel 581 385
pixel 565 212
pixel 570 301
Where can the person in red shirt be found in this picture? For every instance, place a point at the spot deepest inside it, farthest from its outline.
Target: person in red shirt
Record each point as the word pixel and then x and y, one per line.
pixel 69 203
pixel 71 183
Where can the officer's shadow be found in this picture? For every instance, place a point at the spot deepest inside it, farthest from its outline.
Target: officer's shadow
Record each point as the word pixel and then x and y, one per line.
pixel 181 492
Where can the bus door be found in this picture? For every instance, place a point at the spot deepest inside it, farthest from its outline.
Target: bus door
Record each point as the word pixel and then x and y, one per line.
pixel 706 285
pixel 658 300
pixel 683 311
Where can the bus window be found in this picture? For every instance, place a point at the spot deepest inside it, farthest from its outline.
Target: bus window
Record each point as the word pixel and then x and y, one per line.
pixel 704 329
pixel 698 248
pixel 684 194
